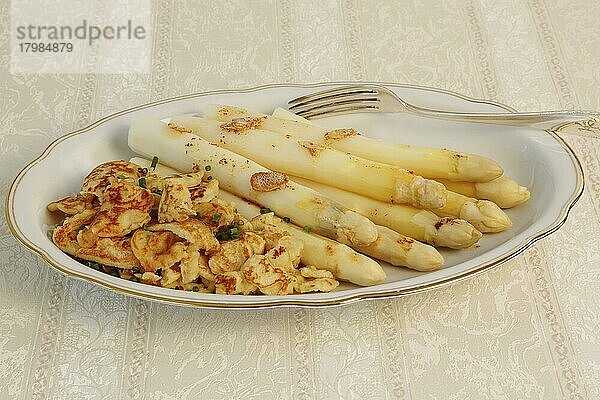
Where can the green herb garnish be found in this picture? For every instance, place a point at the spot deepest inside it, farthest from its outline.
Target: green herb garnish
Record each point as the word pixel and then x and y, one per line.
pixel 93 265
pixel 286 219
pixel 207 168
pixel 198 214
pixel 121 176
pixel 145 226
pixel 216 217
pixel 265 210
pixel 142 183
pixel 154 162
pixel 208 178
pixel 307 229
pixel 231 231
pixel 136 270
pixel 195 289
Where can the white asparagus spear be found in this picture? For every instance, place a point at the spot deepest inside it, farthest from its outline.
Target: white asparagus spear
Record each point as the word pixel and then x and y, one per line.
pixel 402 251
pixel 428 162
pixel 418 224
pixel 285 114
pixel 503 191
pixel 484 215
pixel 183 151
pixel 301 158
pixel 339 259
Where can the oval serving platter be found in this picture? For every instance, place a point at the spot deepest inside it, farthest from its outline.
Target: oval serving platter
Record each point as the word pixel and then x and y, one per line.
pixel 536 158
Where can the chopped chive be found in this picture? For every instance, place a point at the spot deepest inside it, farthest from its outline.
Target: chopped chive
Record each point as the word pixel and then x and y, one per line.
pixel 207 168
pixel 216 217
pixel 136 270
pixel 195 289
pixel 307 229
pixel 154 162
pixel 286 219
pixel 121 176
pixel 265 210
pixel 198 214
pixel 114 272
pixel 221 236
pixel 145 225
pixel 208 178
pixel 93 265
pixel 142 183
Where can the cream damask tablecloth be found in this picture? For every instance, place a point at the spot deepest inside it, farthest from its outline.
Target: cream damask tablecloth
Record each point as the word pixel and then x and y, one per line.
pixel 527 330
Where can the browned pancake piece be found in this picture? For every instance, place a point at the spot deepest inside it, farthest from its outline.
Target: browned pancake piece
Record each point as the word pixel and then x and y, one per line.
pixel 75 204
pixel 125 208
pixel 207 212
pixel 233 283
pixel 97 180
pixel 192 230
pixel 311 279
pixel 156 182
pixel 65 236
pixel 192 264
pixel 204 192
pixel 234 253
pixel 175 203
pixel 157 250
pixel 114 252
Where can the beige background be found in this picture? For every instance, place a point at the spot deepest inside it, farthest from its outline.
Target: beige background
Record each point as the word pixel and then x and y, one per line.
pixel 528 330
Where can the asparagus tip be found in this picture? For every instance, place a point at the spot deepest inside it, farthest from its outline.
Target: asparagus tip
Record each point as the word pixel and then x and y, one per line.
pixel 485 215
pixel 353 228
pixel 475 168
pixel 422 257
pixel 454 233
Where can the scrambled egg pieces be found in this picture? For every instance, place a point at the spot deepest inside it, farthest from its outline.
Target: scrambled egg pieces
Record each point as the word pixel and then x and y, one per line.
pixel 175 232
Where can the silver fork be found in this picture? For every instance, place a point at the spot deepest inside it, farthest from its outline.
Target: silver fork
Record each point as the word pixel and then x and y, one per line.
pixel 374 98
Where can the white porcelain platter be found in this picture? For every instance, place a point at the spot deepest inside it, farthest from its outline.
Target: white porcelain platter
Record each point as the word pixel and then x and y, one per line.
pixel 536 158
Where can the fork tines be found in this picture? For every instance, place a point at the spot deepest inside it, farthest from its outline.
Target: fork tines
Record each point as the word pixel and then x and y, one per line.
pixel 335 101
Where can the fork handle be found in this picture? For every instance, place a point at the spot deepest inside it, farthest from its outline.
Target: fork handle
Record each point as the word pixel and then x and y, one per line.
pixel 542 119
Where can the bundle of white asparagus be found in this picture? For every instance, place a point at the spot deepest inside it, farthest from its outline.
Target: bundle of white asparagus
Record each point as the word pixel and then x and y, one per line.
pixel 241 134
pixel 313 161
pixel 424 161
pixel 338 184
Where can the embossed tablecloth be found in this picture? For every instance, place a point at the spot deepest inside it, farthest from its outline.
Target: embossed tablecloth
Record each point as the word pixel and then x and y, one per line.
pixel 527 330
